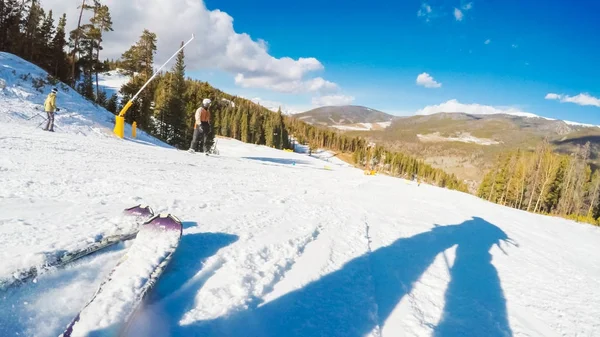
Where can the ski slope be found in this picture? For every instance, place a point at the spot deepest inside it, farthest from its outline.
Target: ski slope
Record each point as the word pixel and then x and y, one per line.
pixel 23 89
pixel 278 243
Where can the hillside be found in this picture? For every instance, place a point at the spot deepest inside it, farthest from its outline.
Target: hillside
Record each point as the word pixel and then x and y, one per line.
pixel 467 145
pixel 24 89
pixel 348 117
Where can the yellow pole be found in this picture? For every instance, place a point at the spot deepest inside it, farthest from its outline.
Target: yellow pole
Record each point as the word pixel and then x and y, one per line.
pixel 119 129
pixel 133 130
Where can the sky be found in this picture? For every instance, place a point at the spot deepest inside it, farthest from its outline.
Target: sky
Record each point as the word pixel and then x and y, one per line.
pixel 401 57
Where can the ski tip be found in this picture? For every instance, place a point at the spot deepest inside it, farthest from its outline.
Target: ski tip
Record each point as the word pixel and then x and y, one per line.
pixel 165 220
pixel 141 209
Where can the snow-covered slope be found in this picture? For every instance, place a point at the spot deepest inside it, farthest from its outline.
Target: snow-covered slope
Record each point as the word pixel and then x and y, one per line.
pixel 454 106
pixel 22 94
pixel 278 244
pixel 274 245
pixel 112 81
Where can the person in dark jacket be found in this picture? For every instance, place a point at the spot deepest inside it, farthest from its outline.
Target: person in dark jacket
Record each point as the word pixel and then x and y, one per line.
pixel 201 127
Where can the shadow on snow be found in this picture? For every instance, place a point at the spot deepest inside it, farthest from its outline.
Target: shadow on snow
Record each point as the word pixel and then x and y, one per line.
pixel 342 303
pixel 175 291
pixel 284 161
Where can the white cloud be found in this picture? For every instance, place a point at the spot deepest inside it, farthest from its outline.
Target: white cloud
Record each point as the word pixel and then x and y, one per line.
pixel 488 41
pixel 455 106
pixel 332 100
pixel 287 86
pixel 581 99
pixel 275 105
pixel 427 81
pixel 216 46
pixel 424 10
pixel 552 96
pixel 515 45
pixel 458 14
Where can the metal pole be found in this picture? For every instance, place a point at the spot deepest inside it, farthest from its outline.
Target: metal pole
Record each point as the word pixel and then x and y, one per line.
pixel 122 113
pixel 119 129
pixel 159 69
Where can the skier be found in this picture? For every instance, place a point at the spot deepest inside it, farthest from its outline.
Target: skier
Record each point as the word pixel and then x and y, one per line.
pixel 50 108
pixel 201 127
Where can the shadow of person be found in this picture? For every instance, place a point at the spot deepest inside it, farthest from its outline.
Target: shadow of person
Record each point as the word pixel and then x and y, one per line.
pixel 360 296
pixel 474 301
pixel 175 291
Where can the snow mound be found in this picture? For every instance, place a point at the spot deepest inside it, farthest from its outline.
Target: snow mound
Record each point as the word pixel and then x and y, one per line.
pixel 25 87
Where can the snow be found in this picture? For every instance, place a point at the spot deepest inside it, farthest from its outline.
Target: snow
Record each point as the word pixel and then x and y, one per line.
pixel 582 124
pixel 362 126
pixel 322 154
pixel 276 244
pixel 453 106
pixel 464 137
pixel 114 302
pixel 112 81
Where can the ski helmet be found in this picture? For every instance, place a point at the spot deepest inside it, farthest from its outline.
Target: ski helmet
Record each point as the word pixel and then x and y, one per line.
pixel 54 90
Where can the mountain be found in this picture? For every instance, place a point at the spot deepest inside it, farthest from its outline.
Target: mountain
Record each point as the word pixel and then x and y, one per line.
pixel 347 117
pixel 467 144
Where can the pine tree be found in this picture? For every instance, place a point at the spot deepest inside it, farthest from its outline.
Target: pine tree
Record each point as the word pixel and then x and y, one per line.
pixel 75 36
pixel 59 65
pixel 111 104
pixel 177 101
pixel 102 23
pixel 245 127
pixel 10 33
pixel 32 31
pixel 43 42
pixel 139 60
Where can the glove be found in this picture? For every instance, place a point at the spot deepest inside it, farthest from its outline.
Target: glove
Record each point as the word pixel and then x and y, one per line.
pixel 57 109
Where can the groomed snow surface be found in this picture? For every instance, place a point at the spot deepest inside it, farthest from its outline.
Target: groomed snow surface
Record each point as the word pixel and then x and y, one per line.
pixel 280 244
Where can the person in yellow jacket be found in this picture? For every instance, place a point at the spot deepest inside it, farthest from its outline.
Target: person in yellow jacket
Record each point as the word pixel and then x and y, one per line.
pixel 50 108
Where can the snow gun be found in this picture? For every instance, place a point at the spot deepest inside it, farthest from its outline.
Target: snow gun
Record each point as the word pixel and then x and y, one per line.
pixel 119 129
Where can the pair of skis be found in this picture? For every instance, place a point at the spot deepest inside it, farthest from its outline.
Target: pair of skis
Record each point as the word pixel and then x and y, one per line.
pixel 140 213
pixel 117 300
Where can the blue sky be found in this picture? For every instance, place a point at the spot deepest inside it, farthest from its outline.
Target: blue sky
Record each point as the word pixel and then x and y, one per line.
pixel 375 50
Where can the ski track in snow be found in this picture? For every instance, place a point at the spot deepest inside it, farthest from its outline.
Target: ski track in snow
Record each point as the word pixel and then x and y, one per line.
pixel 275 243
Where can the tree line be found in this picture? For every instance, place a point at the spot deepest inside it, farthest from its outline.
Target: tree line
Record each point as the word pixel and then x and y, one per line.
pixel 546 182
pixel 373 157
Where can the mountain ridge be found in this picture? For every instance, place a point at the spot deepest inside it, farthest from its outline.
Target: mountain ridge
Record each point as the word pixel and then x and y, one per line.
pixel 347 117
